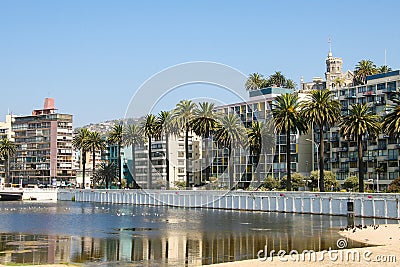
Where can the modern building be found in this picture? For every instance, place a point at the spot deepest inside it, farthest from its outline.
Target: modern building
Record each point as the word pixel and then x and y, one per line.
pixel 381 156
pixel 176 157
pixel 43 147
pixel 274 163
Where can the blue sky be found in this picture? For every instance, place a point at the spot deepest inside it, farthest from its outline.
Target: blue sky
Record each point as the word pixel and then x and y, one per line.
pixel 91 56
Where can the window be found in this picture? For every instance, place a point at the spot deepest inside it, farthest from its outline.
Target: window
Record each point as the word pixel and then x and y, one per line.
pixel 393 154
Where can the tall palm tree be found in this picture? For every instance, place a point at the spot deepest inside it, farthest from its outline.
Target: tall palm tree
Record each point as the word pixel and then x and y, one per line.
pixel 323 112
pixel 7 150
pixel 95 142
pixel 255 81
pixel 290 84
pixel 339 81
pixel 391 122
pixel 204 124
pixel 166 126
pixel 106 173
pixel 183 113
pixel 230 133
pixel 277 79
pixel 384 69
pixel 363 69
pixel 80 142
pixel 260 142
pixel 133 136
pixel 150 130
pixel 360 121
pixel 116 137
pixel 287 119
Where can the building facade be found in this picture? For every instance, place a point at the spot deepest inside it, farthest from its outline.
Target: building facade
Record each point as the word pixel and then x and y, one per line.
pixel 43 147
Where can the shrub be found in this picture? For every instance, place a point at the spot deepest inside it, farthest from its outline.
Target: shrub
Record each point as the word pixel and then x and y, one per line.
pixel 329 180
pixel 351 183
pixel 394 186
pixel 297 181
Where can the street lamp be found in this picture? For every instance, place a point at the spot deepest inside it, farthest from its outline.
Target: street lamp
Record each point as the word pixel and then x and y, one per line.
pixel 317 146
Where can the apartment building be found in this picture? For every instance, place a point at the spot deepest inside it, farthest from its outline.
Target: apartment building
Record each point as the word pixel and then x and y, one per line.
pixel 43 146
pixel 381 156
pixel 273 163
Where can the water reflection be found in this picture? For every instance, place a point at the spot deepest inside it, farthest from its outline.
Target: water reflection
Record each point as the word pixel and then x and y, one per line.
pixel 137 235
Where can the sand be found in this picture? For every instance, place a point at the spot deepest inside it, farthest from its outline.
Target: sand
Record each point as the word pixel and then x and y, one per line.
pixel 386 247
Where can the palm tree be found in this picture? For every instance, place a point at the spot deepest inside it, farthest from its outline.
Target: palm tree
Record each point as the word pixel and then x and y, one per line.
pixel 339 81
pixel 7 150
pixel 150 130
pixel 95 142
pixel 183 113
pixel 166 126
pixel 116 137
pixel 290 84
pixel 391 122
pixel 80 142
pixel 204 124
pixel 363 69
pixel 384 69
pixel 360 121
pixel 287 119
pixel 260 141
pixel 322 111
pixel 255 81
pixel 133 136
pixel 106 172
pixel 230 133
pixel 277 79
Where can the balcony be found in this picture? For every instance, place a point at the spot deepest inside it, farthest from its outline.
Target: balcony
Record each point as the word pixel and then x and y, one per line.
pixel 352 96
pixel 369 93
pixel 342 149
pixel 334 160
pixel 345 170
pixel 334 139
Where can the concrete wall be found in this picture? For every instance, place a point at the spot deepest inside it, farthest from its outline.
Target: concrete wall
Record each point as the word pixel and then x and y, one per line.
pixel 365 205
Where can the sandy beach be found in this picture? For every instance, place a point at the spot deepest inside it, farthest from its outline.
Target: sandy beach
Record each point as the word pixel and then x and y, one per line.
pixel 385 251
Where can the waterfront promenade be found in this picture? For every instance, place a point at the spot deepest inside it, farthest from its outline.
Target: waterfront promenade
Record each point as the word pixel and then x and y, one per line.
pixel 364 204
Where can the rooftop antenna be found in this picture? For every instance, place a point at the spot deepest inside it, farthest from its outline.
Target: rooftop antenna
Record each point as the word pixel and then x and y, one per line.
pixel 330 44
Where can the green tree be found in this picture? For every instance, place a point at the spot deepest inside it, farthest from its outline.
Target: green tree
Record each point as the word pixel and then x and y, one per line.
pixel 363 69
pixel 323 112
pixel 106 173
pixel 7 150
pixel 384 69
pixel 230 133
pixel 394 186
pixel 391 121
pixel 260 141
pixel 277 79
pixel 80 142
pixel 270 183
pixel 339 82
pixel 150 126
pixel 203 124
pixel 255 81
pixel 116 137
pixel 133 136
pixel 329 180
pixel 290 84
pixel 297 181
pixel 95 142
pixel 360 121
pixel 183 113
pixel 351 183
pixel 167 126
pixel 287 119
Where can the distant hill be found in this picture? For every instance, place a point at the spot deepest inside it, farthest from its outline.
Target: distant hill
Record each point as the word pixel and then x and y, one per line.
pixel 104 127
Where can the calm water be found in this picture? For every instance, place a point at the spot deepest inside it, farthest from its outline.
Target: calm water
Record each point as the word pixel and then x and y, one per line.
pixel 106 235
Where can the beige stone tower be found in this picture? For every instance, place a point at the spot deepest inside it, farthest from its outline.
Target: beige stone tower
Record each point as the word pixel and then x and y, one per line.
pixel 334 73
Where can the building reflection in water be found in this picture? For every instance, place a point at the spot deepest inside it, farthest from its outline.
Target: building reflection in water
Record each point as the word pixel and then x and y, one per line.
pixel 172 249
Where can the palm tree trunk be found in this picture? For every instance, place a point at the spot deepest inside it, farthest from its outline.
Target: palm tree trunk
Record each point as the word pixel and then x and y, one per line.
pixel 119 166
pixel 94 166
pixel 257 161
pixel 149 169
pixel 8 168
pixel 187 156
pixel 230 168
pixel 321 159
pixel 167 159
pixel 288 173
pixel 83 167
pixel 360 165
pixel 133 166
pixel 206 143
